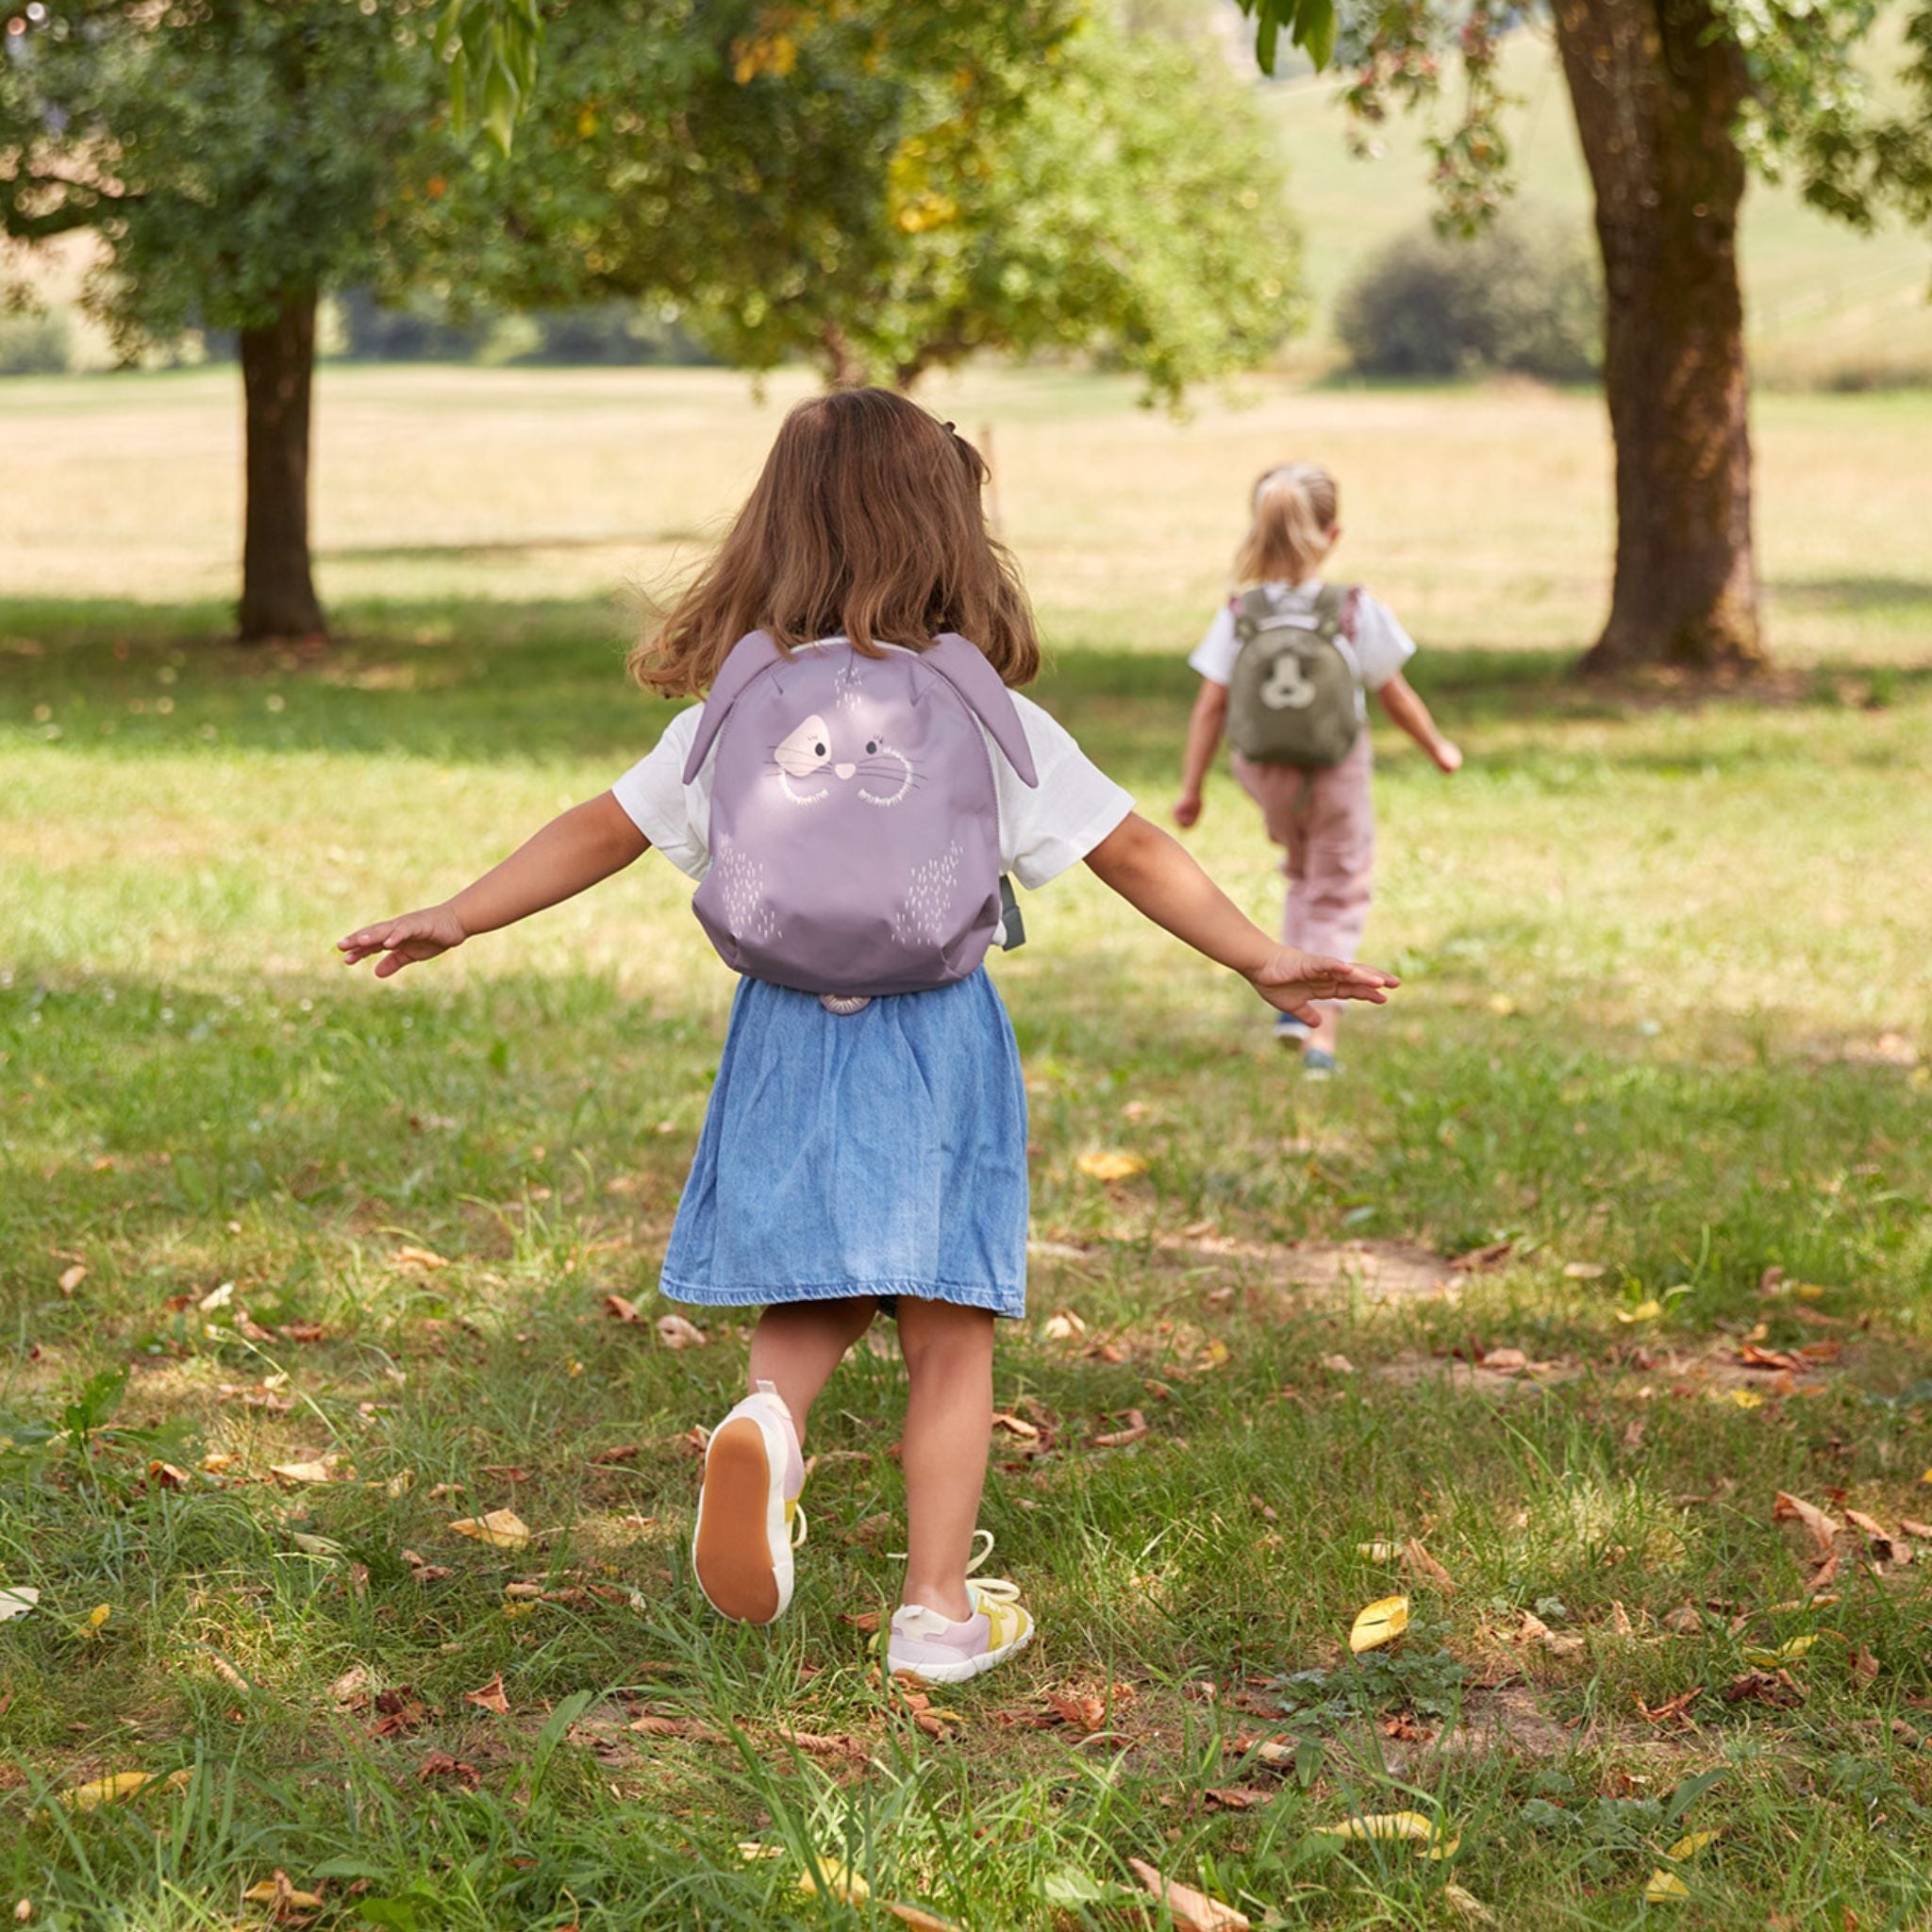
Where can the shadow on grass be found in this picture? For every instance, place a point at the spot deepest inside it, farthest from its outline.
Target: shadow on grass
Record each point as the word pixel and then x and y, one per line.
pixel 484 681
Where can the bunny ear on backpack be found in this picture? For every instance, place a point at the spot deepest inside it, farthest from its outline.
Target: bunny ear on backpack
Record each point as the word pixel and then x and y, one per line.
pixel 750 654
pixel 963 665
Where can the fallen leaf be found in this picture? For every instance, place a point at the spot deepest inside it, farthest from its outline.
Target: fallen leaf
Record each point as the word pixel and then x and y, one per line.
pixel 673 1331
pixel 608 1458
pixel 440 1764
pixel 1775 1689
pixel 1135 1427
pixel 1744 1398
pixel 1690 1844
pixel 1620 1619
pixel 1584 1271
pixel 281 1896
pixel 103 1790
pixel 839 1881
pixel 1414 1825
pixel 1670 1707
pixel 916 1916
pixel 1864 1666
pixel 1785 1654
pixel 501 1529
pixel 1016 1425
pixel 490 1697
pixel 99 1615
pixel 303 1332
pixel 1110 1166
pixel 1665 1888
pixel 17 1601
pixel 1419 1563
pixel 71 1278
pixel 1649 1309
pixel 1505 1361
pixel 753 1851
pixel 1464 1902
pixel 1192 1912
pixel 303 1472
pixel 814 1744
pixel 1064 1326
pixel 399 1710
pixel 621 1309
pixel 412 1259
pixel 652 1726
pixel 1338 1365
pixel 1379 1622
pixel 351 1690
pixel 1909 1527
pixel 1379 1551
pixel 1481 1260
pixel 1534 1630
pixel 1825 1574
pixel 1821 1529
pixel 216 1298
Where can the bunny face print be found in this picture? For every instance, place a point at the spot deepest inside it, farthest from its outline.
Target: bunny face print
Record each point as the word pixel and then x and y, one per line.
pixel 857 792
pixel 807 765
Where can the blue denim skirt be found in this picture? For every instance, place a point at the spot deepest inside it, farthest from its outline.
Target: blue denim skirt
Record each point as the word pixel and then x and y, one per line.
pixel 882 1153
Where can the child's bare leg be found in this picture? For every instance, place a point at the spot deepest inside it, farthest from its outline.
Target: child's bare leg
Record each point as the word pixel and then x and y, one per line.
pixel 796 1346
pixel 948 1351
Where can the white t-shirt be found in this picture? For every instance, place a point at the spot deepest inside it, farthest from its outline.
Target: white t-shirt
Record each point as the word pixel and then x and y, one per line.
pixel 1382 647
pixel 1044 829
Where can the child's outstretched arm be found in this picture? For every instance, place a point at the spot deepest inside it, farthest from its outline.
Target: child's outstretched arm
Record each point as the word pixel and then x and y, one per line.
pixel 1159 878
pixel 573 851
pixel 1407 713
pixel 1204 740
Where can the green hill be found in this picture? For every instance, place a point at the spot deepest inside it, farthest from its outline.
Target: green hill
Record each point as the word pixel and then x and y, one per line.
pixel 1825 307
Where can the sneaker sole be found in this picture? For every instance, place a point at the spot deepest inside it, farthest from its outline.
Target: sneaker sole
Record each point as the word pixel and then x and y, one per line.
pixel 966 1669
pixel 740 1549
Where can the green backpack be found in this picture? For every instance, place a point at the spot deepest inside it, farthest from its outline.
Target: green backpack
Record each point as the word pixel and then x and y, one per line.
pixel 1295 697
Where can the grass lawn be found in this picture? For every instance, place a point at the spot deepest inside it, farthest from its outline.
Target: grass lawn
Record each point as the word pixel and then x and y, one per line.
pixel 1656 1079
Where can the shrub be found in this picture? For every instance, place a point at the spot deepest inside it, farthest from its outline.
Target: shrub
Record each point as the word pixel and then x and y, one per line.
pixel 1523 295
pixel 34 344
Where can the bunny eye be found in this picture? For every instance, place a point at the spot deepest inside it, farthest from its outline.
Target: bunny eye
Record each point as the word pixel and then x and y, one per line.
pixel 805 750
pixel 872 745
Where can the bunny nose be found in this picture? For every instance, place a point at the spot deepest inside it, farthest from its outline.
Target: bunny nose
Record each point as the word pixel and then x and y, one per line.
pixel 844 771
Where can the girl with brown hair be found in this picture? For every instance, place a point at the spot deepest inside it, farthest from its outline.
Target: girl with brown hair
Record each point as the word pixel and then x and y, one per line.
pixel 863 1148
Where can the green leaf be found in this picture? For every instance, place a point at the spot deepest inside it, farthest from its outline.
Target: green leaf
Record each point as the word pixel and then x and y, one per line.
pixel 1314 30
pixel 1267 32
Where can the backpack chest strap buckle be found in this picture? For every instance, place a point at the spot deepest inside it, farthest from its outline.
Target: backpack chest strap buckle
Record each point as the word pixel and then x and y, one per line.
pixel 844 1004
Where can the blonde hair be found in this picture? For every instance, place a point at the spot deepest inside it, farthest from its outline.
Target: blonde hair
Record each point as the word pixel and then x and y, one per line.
pixel 866 524
pixel 1294 512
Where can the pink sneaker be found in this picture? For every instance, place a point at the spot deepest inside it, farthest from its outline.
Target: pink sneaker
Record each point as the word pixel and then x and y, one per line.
pixel 938 1649
pixel 749 1521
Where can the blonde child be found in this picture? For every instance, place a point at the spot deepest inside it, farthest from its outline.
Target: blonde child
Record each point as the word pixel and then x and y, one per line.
pixel 1296 655
pixel 865 1143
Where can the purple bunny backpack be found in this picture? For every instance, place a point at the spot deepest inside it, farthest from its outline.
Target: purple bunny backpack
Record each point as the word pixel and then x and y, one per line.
pixel 855 826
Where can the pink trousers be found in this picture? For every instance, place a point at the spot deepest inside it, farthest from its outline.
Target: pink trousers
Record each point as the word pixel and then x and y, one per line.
pixel 1326 821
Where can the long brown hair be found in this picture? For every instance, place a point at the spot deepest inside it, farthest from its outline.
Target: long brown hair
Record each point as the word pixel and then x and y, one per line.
pixel 1296 507
pixel 866 524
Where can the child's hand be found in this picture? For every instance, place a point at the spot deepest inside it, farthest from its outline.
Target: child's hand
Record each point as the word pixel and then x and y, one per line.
pixel 404 941
pixel 1186 809
pixel 1448 756
pixel 1292 980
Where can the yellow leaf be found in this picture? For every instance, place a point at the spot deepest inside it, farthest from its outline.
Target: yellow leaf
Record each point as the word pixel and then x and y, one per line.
pixel 1192 1910
pixel 103 1790
pixel 400 1484
pixel 1380 1622
pixel 99 1615
pixel 1417 1826
pixel 1378 1551
pixel 1468 1905
pixel 1745 1398
pixel 501 1529
pixel 751 1850
pixel 18 1601
pixel 917 1917
pixel 840 1882
pixel 303 1472
pixel 1108 1166
pixel 1646 1310
pixel 1665 1888
pixel 315 1545
pixel 1690 1846
pixel 279 1891
pixel 1785 1654
pixel 1808 1291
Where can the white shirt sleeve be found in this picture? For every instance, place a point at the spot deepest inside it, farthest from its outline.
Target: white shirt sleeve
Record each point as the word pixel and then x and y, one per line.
pixel 673 816
pixel 1046 828
pixel 1214 656
pixel 1382 647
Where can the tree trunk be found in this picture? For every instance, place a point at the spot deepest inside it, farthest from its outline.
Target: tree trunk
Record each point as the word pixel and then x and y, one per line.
pixel 277 371
pixel 1657 88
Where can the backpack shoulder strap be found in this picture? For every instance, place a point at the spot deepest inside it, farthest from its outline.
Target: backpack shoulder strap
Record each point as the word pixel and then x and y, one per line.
pixel 963 665
pixel 1335 609
pixel 750 654
pixel 1252 602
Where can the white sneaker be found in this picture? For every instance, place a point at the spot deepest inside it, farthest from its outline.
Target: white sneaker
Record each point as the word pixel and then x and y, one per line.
pixel 938 1649
pixel 749 1521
